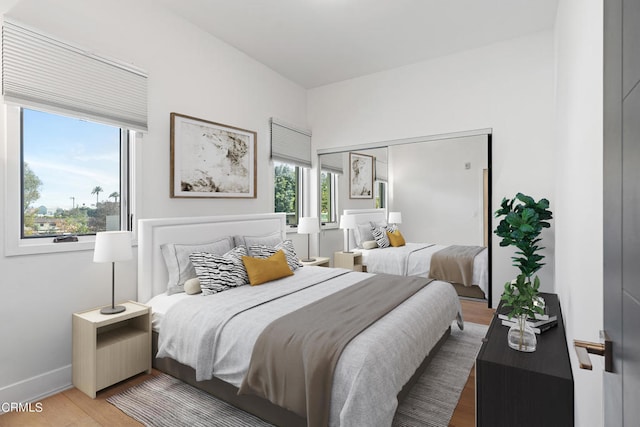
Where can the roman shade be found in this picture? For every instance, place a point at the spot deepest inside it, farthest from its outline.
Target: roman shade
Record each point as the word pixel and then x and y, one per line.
pixel 331 163
pixel 290 144
pixel 44 73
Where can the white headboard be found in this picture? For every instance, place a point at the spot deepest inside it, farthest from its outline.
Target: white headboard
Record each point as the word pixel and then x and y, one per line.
pixel 363 216
pixel 152 233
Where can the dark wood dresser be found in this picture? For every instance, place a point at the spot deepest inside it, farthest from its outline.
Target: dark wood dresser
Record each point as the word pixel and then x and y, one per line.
pixel 514 388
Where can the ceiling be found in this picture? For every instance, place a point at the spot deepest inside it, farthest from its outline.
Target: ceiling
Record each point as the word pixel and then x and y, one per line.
pixel 317 42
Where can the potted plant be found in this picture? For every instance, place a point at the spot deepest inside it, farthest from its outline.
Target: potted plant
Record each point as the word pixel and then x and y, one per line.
pixel 521 225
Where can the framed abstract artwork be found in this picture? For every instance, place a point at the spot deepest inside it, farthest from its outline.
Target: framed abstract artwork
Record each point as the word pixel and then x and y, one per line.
pixel 360 176
pixel 211 160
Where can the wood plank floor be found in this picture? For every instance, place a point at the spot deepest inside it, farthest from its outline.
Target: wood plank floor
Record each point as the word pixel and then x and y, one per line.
pixel 74 408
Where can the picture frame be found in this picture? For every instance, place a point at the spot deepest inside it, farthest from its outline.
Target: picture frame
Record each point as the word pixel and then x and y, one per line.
pixel 211 160
pixel 360 176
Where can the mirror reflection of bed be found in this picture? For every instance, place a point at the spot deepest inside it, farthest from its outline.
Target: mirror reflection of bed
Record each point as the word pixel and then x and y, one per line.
pixel 440 185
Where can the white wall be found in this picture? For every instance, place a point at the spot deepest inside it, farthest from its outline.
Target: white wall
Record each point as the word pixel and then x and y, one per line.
pixel 190 72
pixel 506 86
pixel 441 201
pixel 578 207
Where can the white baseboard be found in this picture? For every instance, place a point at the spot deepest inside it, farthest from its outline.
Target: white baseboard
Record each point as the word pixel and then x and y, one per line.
pixel 36 388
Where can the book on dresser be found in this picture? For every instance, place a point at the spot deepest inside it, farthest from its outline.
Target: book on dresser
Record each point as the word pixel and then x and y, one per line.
pixel 539 320
pixel 548 324
pixel 539 324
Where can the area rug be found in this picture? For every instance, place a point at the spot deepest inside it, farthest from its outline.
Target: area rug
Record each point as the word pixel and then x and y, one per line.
pixel 165 401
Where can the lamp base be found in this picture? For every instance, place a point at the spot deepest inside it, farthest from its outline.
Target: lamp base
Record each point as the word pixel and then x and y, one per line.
pixel 308 259
pixel 113 310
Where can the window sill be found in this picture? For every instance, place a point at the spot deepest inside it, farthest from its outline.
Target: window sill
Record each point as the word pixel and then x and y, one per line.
pixel 329 226
pixel 46 246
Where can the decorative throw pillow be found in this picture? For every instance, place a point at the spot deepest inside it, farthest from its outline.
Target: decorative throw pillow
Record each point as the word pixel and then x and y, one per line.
pixel 369 244
pixel 192 286
pixel 218 273
pixel 264 251
pixel 262 270
pixel 380 235
pixel 179 266
pixel 395 238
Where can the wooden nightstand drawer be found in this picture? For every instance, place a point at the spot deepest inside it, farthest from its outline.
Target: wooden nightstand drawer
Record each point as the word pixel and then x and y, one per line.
pixel 125 351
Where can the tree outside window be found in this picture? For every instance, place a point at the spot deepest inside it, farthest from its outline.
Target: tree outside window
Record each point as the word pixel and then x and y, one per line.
pixel 286 183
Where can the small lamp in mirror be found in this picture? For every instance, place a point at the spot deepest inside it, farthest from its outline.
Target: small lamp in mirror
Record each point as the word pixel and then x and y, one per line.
pixel 395 218
pixel 347 222
pixel 309 225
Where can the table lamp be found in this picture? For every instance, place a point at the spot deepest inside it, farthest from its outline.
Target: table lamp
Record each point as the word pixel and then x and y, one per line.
pixel 112 246
pixel 308 225
pixel 395 218
pixel 347 222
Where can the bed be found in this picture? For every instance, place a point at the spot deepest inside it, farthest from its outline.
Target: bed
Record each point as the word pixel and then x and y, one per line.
pixel 414 259
pixel 369 378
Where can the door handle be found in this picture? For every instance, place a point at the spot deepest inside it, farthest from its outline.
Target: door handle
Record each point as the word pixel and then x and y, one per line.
pixel 604 348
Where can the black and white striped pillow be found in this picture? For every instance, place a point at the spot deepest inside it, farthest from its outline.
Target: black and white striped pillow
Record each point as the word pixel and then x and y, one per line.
pixel 380 234
pixel 264 251
pixel 218 273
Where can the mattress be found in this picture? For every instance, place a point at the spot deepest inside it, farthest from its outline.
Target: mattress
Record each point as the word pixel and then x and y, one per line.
pixel 373 367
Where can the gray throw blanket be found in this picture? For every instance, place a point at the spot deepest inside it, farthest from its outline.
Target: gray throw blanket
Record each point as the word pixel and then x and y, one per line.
pixel 294 358
pixel 454 264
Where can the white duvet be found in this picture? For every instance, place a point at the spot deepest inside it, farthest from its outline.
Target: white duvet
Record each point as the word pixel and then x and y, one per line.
pixel 414 259
pixel 373 367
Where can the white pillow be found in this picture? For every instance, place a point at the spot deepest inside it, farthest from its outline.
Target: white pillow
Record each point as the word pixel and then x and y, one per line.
pixel 369 244
pixel 268 240
pixel 362 233
pixel 180 268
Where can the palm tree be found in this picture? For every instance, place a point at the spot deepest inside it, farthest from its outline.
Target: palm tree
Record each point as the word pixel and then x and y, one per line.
pixel 114 196
pixel 97 190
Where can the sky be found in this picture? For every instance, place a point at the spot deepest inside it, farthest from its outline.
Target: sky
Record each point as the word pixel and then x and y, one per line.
pixel 71 157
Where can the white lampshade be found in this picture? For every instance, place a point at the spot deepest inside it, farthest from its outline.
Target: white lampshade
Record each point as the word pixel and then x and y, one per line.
pixel 395 217
pixel 112 246
pixel 347 222
pixel 308 225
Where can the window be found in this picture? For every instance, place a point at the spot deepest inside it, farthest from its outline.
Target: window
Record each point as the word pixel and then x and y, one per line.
pixel 72 176
pixel 380 194
pixel 287 196
pixel 328 197
pixel 49 156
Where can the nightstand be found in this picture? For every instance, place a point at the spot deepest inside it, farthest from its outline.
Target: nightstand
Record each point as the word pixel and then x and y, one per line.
pixel 320 261
pixel 110 348
pixel 349 260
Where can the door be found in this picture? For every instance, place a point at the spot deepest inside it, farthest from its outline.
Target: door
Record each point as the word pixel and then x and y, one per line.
pixel 622 209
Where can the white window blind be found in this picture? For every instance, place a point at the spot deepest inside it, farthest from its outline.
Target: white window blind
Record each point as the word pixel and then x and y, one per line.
pixel 290 145
pixel 331 163
pixel 42 72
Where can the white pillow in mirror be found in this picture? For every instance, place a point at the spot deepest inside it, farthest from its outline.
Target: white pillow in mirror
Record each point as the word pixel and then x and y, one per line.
pixel 369 244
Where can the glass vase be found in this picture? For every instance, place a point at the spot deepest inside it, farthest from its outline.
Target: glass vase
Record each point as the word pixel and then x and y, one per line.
pixel 521 337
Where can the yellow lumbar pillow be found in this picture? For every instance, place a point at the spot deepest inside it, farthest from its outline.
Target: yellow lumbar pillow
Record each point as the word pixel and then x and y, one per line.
pixel 262 270
pixel 395 238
